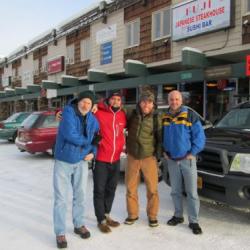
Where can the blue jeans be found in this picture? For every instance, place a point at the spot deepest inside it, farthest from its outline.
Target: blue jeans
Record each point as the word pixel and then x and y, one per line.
pixel 184 171
pixel 66 175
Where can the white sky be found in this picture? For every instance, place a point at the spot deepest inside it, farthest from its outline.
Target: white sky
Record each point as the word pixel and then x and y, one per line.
pixel 22 20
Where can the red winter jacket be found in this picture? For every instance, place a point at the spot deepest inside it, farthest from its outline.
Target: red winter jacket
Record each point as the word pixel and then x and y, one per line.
pixel 112 126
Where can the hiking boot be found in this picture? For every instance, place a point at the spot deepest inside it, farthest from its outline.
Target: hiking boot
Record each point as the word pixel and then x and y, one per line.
pixel 175 221
pixel 196 229
pixel 103 227
pixel 61 241
pixel 130 221
pixel 83 232
pixel 153 223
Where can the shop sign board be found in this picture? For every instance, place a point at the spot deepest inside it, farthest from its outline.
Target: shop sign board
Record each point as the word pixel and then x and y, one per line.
pixel 248 65
pixel 196 17
pixel 106 53
pixel 218 72
pixel 56 65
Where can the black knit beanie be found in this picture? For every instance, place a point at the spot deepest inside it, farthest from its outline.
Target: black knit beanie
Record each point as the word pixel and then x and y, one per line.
pixel 86 94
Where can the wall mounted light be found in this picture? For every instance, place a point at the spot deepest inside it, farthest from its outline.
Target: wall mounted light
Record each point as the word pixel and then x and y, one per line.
pixel 166 41
pixel 246 23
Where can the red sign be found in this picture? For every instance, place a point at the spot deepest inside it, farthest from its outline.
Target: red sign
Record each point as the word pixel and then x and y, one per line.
pixel 248 65
pixel 221 84
pixel 56 65
pixel 43 92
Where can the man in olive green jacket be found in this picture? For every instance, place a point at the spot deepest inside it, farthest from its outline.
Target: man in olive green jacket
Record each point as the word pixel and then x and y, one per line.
pixel 143 146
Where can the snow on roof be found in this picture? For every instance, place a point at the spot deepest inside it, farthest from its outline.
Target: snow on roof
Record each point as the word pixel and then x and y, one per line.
pixel 134 61
pixel 69 76
pixel 9 89
pixel 82 12
pixel 40 36
pixel 96 70
pixel 18 49
pixel 192 49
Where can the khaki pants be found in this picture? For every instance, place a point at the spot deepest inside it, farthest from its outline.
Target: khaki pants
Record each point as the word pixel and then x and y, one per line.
pixel 148 166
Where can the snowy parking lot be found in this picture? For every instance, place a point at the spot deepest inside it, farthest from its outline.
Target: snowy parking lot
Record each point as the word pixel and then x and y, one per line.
pixel 26 201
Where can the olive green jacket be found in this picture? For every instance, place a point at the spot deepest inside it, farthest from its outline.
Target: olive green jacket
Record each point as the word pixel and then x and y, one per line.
pixel 144 134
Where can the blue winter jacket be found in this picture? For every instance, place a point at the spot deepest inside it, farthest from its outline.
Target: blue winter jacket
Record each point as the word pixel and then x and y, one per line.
pixel 182 134
pixel 73 141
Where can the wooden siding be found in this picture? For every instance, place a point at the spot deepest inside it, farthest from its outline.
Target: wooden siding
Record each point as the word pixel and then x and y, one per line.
pixel 79 68
pixel 147 51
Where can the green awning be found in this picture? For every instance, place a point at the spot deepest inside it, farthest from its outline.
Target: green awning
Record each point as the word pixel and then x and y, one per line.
pixel 33 88
pixel 70 81
pixel 95 75
pixel 20 91
pixel 50 85
pixel 9 92
pixel 135 68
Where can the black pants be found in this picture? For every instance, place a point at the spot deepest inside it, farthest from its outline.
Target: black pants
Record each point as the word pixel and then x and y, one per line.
pixel 106 176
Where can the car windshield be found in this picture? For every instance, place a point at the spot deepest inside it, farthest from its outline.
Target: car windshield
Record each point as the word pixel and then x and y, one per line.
pixel 236 118
pixel 22 117
pixel 12 118
pixel 30 120
pixel 49 122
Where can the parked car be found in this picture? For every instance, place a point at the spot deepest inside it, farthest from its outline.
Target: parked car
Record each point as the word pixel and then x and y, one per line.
pixel 161 171
pixel 8 127
pixel 38 133
pixel 224 165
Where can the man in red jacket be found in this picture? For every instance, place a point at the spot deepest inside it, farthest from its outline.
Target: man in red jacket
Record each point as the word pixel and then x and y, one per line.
pixel 112 121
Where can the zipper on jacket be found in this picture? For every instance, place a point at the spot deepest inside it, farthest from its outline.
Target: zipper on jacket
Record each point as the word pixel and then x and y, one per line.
pixel 112 157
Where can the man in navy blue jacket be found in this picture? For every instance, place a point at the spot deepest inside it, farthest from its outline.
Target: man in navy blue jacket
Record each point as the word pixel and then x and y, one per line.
pixel 74 148
pixel 183 139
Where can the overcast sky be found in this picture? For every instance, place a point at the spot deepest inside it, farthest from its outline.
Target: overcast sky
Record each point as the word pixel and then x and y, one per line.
pixel 22 20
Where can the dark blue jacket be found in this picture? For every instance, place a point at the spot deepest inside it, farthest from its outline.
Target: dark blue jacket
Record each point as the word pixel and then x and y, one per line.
pixel 182 134
pixel 74 140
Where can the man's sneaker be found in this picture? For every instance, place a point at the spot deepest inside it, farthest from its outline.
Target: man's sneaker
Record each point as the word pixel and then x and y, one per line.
pixel 103 227
pixel 175 221
pixel 61 241
pixel 112 223
pixel 83 232
pixel 153 223
pixel 130 221
pixel 195 228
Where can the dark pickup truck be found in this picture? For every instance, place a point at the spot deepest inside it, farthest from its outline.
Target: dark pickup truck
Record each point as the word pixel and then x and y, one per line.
pixel 224 164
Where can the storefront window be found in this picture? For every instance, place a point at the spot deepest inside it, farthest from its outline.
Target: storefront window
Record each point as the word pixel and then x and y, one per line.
pixel 193 95
pixel 220 98
pixel 167 89
pixel 129 96
pixel 243 90
pixel 100 96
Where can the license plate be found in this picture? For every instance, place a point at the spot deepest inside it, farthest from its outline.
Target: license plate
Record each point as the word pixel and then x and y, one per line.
pixel 199 182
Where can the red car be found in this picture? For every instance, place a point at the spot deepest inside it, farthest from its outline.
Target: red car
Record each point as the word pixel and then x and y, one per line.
pixel 38 133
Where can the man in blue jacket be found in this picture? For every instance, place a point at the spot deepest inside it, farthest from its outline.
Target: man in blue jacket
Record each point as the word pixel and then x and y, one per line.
pixel 74 148
pixel 183 139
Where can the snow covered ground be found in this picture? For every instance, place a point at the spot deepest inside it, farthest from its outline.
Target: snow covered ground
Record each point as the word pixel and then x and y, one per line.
pixel 26 201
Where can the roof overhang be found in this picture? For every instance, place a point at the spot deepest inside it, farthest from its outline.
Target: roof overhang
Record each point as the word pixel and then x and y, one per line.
pixel 20 91
pixel 50 85
pixel 34 88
